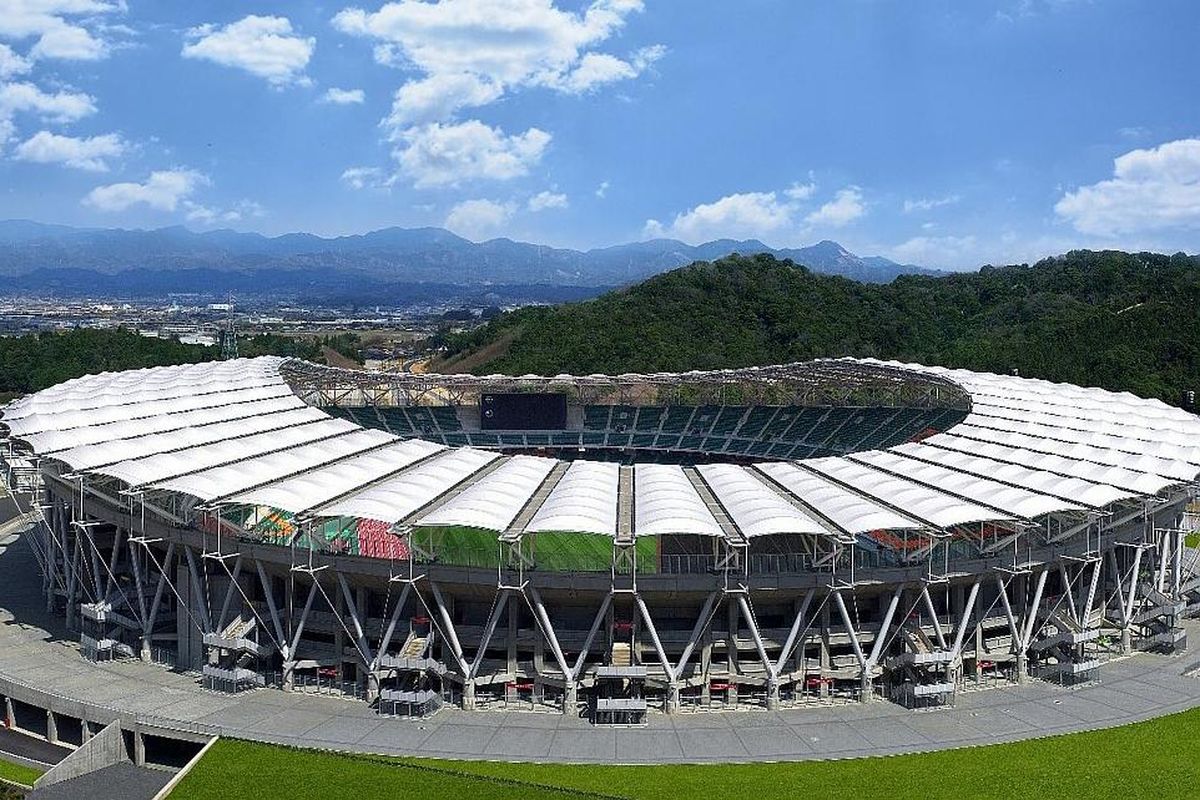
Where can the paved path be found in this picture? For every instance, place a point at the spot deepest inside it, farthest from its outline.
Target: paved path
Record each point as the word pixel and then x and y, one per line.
pixel 121 781
pixel 31 748
pixel 34 652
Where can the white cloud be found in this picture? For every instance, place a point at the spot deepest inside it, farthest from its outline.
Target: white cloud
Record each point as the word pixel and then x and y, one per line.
pixel 63 106
pixel 205 215
pixel 735 216
pixel 468 53
pixel 602 189
pixel 88 153
pixel 263 46
pixel 1151 189
pixel 1133 132
pixel 12 63
pixel 344 97
pixel 801 191
pixel 446 154
pixel 437 97
pixel 60 27
pixel 929 203
pixel 164 190
pixel 366 177
pixel 478 219
pixel 939 251
pixel 845 207
pixel 547 199
pixel 777 215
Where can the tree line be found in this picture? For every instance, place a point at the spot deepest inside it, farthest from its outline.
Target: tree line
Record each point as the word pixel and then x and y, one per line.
pixel 1122 321
pixel 37 361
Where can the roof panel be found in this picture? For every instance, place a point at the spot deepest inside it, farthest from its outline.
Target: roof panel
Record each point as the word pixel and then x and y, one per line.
pixel 75 418
pixel 180 382
pixel 1073 458
pixel 222 481
pixel 1014 500
pixel 584 500
pixel 1138 482
pixel 493 502
pixel 939 508
pixel 850 511
pixel 756 509
pixel 1096 495
pixel 666 502
pixel 93 455
pixel 53 442
pixel 395 499
pixel 321 485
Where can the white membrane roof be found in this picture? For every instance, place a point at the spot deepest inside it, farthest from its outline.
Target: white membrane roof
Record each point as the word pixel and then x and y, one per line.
pixel 53 442
pixel 141 385
pixel 177 463
pixel 941 509
pixel 850 511
pixel 985 491
pixel 76 418
pixel 1095 495
pixel 665 501
pixel 218 482
pixel 493 502
pixel 235 432
pixel 397 498
pixel 89 456
pixel 321 485
pixel 584 500
pixel 756 509
pixel 1138 483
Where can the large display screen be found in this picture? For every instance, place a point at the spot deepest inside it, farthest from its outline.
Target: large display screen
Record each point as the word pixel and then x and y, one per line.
pixel 523 412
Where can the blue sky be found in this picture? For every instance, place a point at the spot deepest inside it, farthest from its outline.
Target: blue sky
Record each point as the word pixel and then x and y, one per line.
pixel 943 133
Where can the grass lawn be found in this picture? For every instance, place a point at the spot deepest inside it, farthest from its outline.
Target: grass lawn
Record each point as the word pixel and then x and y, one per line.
pixel 1146 760
pixel 18 773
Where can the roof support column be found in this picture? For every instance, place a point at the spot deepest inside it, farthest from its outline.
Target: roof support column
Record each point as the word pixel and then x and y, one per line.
pixel 1028 629
pixel 672 703
pixel 772 674
pixel 601 615
pixel 569 686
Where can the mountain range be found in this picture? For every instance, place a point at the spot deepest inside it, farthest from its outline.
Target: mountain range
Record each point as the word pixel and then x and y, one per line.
pixel 37 254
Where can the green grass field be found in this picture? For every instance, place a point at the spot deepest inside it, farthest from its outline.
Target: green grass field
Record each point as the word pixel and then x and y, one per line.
pixel 18 773
pixel 1152 759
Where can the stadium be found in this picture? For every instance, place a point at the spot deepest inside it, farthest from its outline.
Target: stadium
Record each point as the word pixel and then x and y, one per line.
pixel 611 547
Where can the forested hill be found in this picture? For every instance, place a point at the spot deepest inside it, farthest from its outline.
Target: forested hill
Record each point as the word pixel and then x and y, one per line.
pixel 1118 320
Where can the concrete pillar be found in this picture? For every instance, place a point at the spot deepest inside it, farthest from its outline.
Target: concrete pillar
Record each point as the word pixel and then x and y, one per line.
pixel 671 704
pixel 289 675
pixel 139 749
pixel 144 654
pixel 514 612
pixel 978 650
pixel 1126 641
pixel 10 720
pixel 51 728
pixel 866 687
pixel 731 650
pixel 1022 666
pixel 570 697
pixel 339 635
pixel 539 663
pixel 706 667
pixel 468 695
pixel 772 695
pixel 824 654
pixel 51 559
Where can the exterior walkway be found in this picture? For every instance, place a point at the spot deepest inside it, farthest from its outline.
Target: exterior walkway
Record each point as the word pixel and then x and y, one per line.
pixel 37 659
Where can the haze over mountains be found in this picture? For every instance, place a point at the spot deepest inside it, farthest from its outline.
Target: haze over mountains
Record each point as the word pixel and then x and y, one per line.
pixel 36 256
